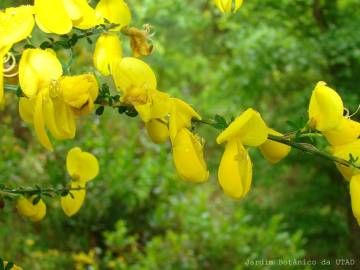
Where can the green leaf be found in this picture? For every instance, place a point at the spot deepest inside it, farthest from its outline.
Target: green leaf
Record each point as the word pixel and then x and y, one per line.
pixel 99 111
pixel 36 200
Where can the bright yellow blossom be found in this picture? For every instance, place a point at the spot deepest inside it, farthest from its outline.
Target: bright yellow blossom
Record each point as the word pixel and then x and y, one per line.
pixel 355 196
pixel 82 166
pixel 235 170
pixel 344 151
pixel 249 128
pixel 226 6
pixel 26 207
pixel 325 109
pixel 107 50
pixel 188 157
pixel 157 130
pixel 115 11
pixel 71 203
pixel 274 151
pixel 346 132
pixel 59 16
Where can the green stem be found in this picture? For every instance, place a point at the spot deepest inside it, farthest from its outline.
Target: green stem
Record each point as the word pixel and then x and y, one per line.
pixel 39 191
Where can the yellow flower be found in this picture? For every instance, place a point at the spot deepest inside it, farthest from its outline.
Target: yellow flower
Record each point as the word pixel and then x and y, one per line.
pixel 15 267
pixel 26 207
pixel 107 50
pixel 157 130
pixel 326 108
pixel 235 171
pixel 71 203
pixel 249 128
pixel 16 25
pixel 274 151
pixel 180 116
pixel 346 132
pixel 228 5
pixel 115 11
pixel 188 157
pixel 137 81
pixel 355 196
pixel 82 166
pixel 344 151
pixel 79 92
pixel 59 16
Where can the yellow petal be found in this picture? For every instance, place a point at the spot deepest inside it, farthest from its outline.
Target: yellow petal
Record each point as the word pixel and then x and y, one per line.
pixel 107 50
pixel 72 204
pixel 344 151
pixel 274 151
pixel 249 128
pixel 15 267
pixel 1 78
pixel 157 130
pixel 77 90
pixel 82 166
pixel 115 11
pixel 37 69
pixel 189 158
pixel 52 16
pixel 347 132
pixel 35 212
pixel 238 4
pixel 65 119
pixel 41 212
pixel 73 9
pixel 131 72
pixel 326 108
pixel 39 123
pixel 26 109
pixel 355 196
pixel 235 171
pixel 16 24
pixel 180 116
pixel 88 18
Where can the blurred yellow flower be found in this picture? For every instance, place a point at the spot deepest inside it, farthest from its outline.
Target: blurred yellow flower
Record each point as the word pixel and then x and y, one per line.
pixel 249 128
pixel 59 16
pixel 107 50
pixel 325 109
pixel 346 132
pixel 115 11
pixel 15 267
pixel 188 157
pixel 71 203
pixel 226 6
pixel 235 170
pixel 82 166
pixel 27 208
pixel 355 196
pixel 274 151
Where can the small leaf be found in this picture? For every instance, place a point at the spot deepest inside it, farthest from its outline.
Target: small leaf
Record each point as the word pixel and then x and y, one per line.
pixel 122 109
pixel 36 200
pixel 99 111
pixel 45 45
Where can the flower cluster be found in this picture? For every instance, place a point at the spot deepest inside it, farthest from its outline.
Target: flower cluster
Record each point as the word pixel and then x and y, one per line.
pixel 227 6
pixel 82 167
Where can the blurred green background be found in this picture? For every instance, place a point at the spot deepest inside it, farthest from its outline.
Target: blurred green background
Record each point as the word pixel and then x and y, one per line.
pixel 138 214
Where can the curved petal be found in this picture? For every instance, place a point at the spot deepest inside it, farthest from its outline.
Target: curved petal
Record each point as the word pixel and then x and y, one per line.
pixel 344 151
pixel 52 16
pixel 274 151
pixel 41 212
pixel 115 11
pixel 235 170
pixel 355 196
pixel 82 166
pixel 189 158
pixel 72 204
pixel 88 17
pixel 157 130
pixel 347 132
pixel 26 109
pixel 39 123
pixel 249 128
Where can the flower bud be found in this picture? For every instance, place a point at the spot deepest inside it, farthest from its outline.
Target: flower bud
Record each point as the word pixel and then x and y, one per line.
pixel 189 158
pixel 274 151
pixel 157 130
pixel 326 108
pixel 235 170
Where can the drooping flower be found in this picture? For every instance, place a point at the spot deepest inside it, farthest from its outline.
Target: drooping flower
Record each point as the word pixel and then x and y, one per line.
pixel 235 170
pixel 71 203
pixel 16 24
pixel 344 151
pixel 355 196
pixel 346 132
pixel 34 211
pixel 82 166
pixel 274 151
pixel 115 11
pixel 325 109
pixel 226 6
pixel 107 50
pixel 188 157
pixel 157 130
pixel 249 128
pixel 59 16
